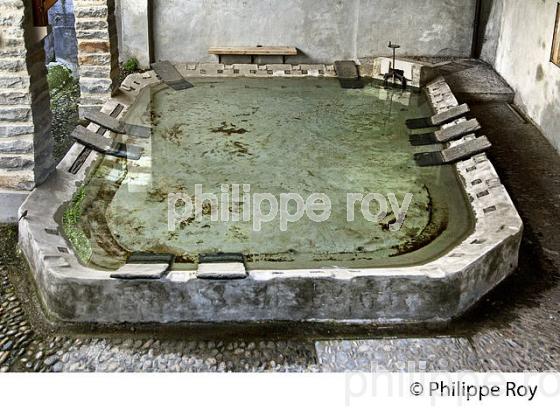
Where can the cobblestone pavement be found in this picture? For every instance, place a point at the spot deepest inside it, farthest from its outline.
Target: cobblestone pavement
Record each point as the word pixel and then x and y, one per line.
pixel 515 328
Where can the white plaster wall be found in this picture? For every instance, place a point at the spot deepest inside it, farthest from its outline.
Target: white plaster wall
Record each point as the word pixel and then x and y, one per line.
pixel 323 30
pixel 522 57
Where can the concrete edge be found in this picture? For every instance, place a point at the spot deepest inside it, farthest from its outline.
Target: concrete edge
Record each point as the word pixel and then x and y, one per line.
pixel 72 292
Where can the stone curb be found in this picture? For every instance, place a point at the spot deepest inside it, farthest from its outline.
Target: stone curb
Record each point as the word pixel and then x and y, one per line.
pixel 435 292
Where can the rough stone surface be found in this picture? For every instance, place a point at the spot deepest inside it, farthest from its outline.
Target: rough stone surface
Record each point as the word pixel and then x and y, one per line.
pixel 96 34
pixel 323 31
pixel 435 292
pixel 517 41
pixel 514 328
pixel 61 44
pixel 398 355
pixel 25 139
pixel 474 81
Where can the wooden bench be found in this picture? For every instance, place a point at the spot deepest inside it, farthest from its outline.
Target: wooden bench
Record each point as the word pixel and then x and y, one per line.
pixel 253 51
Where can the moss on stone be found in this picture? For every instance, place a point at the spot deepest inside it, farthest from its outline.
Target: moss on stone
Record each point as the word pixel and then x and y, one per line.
pixel 131 65
pixel 59 77
pixel 65 93
pixel 72 227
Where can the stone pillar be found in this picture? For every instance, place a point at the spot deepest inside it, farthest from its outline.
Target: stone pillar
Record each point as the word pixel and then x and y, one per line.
pixel 135 31
pixel 97 51
pixel 25 136
pixel 62 41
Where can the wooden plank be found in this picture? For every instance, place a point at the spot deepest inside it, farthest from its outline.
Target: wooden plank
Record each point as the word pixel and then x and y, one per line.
pixel 40 16
pixel 255 51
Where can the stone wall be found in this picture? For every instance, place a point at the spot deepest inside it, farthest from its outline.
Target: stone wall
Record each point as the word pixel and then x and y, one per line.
pixel 25 116
pixel 518 39
pixel 97 51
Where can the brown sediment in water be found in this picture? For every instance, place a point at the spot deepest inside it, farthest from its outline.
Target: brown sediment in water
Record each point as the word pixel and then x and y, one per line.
pixel 94 224
pixel 437 224
pixel 240 148
pixel 173 134
pixel 228 129
pixel 337 146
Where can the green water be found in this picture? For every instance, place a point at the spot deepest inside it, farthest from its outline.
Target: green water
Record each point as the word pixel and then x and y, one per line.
pixel 300 136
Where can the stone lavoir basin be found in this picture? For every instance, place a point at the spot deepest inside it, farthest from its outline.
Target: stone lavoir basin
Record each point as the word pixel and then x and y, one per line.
pixel 277 136
pixel 108 254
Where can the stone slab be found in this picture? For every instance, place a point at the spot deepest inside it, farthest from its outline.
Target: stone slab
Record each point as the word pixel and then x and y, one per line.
pixel 446 134
pixel 138 131
pixel 106 121
pixel 231 270
pixel 457 131
pixel 449 115
pixel 348 74
pixel 105 145
pixel 141 271
pixel 453 154
pixel 475 81
pixel 433 293
pixel 170 75
pixel 466 149
pixel 346 69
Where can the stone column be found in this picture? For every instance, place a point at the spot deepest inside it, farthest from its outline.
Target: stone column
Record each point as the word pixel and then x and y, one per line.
pixel 25 136
pixel 97 51
pixel 135 31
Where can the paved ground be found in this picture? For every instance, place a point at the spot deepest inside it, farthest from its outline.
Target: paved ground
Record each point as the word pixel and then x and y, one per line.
pixel 515 328
pixel 474 80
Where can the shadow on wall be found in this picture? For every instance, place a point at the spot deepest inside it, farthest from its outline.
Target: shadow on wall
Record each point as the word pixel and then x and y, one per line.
pixel 490 24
